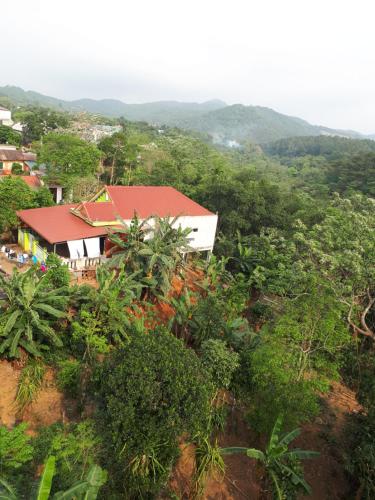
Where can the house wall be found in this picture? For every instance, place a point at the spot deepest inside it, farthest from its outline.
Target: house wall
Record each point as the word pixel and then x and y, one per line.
pixel 6 166
pixel 29 243
pixel 204 237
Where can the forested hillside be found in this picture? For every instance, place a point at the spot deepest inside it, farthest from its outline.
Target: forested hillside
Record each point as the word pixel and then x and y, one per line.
pixel 246 376
pixel 215 118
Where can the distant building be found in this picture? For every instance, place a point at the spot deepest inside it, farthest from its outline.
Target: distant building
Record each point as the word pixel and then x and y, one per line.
pixel 5 117
pixel 9 155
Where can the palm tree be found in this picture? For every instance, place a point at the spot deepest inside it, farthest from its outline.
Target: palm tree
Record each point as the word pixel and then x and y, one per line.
pixel 282 465
pixel 28 310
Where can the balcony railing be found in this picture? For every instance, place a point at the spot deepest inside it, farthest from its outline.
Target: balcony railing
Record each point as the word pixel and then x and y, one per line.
pixel 84 262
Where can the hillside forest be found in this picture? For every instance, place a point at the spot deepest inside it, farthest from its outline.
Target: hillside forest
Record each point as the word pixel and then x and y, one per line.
pixel 250 375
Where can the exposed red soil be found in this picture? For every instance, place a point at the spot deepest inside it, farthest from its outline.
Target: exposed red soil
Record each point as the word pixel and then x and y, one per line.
pixel 8 389
pixel 48 407
pixel 325 474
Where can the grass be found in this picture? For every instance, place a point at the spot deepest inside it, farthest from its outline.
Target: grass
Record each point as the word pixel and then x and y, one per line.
pixel 30 382
pixel 208 461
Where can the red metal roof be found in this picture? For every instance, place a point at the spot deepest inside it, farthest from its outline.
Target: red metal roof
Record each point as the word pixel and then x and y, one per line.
pixel 57 224
pixel 103 211
pixel 146 201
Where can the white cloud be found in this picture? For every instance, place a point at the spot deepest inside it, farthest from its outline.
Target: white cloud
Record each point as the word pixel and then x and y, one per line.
pixel 313 59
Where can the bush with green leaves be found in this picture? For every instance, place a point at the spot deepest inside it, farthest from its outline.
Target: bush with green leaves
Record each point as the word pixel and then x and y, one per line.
pixel 361 459
pixel 15 449
pixel 150 393
pixel 219 361
pixel 75 448
pixel 267 381
pixel 297 356
pixel 68 376
pixel 58 274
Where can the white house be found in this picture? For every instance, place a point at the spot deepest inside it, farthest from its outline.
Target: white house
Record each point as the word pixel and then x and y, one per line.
pixel 81 231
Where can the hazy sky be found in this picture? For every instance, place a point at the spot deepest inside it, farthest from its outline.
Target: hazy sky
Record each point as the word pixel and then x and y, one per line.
pixel 312 59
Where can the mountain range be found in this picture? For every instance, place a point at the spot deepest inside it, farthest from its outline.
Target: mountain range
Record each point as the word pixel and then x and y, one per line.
pixel 226 124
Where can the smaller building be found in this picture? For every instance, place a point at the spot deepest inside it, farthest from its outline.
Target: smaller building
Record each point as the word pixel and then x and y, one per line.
pixel 5 117
pixel 9 155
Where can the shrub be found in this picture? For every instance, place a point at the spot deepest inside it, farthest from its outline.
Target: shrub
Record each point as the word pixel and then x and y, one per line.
pixel 69 376
pixel 58 274
pixel 15 449
pixel 75 447
pixel 150 393
pixel 219 361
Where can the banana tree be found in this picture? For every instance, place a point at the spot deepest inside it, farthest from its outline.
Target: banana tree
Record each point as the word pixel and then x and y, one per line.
pixel 281 464
pixel 154 246
pixel 28 310
pixel 87 489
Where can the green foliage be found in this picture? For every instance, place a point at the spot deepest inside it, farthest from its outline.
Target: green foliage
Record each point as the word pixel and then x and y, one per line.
pixel 151 248
pixel 9 136
pixel 75 448
pixel 361 460
pixel 150 393
pixel 68 377
pixel 68 156
pixel 119 156
pixel 86 489
pixel 15 449
pixel 40 121
pixel 17 169
pixel 87 336
pixel 219 361
pixel 208 460
pixel 207 319
pixel 281 464
pixel 45 483
pixel 355 173
pixel 7 491
pixel 29 309
pixel 15 194
pixel 106 314
pixel 43 197
pixel 270 386
pixel 57 274
pixel 321 145
pixel 29 384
